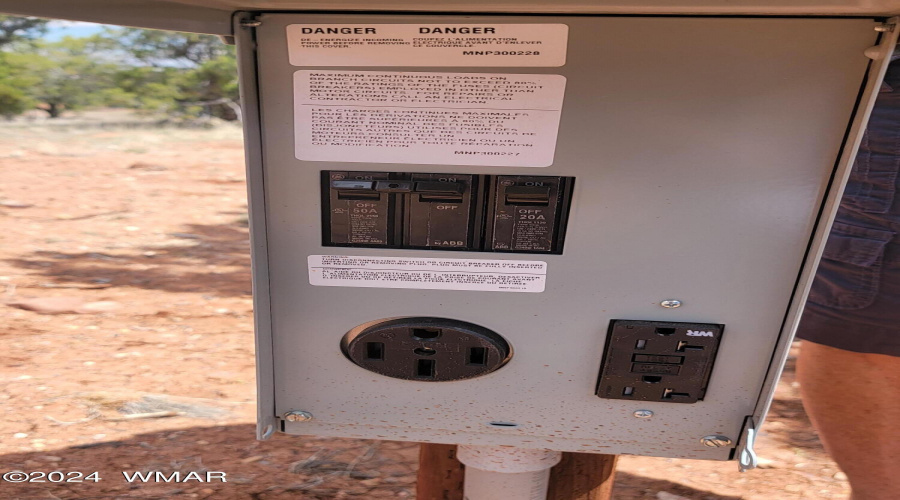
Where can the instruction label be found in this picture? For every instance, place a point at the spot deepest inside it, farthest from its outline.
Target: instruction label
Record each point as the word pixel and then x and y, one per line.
pixel 442 45
pixel 490 119
pixel 428 274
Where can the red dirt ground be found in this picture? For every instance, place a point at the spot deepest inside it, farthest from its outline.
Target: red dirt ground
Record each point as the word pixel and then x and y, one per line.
pixel 144 233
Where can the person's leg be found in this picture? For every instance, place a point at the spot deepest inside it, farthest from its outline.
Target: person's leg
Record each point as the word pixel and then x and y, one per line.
pixel 853 400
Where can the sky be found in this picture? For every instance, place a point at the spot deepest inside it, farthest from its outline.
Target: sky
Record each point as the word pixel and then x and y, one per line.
pixel 56 30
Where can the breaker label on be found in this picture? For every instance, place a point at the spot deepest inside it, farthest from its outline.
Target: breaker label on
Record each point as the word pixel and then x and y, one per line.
pixel 458 45
pixel 429 274
pixel 487 119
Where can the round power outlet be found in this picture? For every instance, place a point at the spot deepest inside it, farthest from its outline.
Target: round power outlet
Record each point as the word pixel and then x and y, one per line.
pixel 426 349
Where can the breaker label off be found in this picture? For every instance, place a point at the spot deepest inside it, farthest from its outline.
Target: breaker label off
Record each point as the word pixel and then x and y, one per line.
pixel 429 274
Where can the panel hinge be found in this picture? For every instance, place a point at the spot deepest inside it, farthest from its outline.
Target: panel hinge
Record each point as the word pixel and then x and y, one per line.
pixel 885 27
pixel 747 459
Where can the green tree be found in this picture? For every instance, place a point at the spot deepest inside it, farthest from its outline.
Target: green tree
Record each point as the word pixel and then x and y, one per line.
pixel 165 48
pixel 192 75
pixel 15 29
pixel 65 75
pixel 13 99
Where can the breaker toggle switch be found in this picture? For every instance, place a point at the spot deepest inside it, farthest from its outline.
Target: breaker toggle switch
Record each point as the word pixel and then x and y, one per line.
pixel 528 196
pixel 355 190
pixel 447 192
pixel 439 213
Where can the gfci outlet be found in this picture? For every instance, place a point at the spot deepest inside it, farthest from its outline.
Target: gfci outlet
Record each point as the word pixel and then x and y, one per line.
pixel 426 349
pixel 658 361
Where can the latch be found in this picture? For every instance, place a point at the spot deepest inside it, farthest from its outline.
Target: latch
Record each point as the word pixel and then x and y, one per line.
pixel 747 458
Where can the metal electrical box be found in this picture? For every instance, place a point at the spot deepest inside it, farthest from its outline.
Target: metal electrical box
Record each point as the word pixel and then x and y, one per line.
pixel 589 232
pixel 524 230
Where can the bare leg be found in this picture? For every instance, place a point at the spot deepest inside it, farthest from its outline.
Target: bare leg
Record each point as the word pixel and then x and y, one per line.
pixel 853 400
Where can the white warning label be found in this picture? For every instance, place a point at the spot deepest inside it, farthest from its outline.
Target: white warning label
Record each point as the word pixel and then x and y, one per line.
pixel 502 120
pixel 429 274
pixel 459 45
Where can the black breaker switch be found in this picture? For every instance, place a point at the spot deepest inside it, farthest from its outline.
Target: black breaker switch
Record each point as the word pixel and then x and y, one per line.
pixel 439 213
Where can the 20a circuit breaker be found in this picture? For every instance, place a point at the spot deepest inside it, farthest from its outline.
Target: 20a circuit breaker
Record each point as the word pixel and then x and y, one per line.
pixel 436 211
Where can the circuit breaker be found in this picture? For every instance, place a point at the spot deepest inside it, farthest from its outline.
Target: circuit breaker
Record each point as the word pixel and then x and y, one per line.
pixel 445 211
pixel 581 233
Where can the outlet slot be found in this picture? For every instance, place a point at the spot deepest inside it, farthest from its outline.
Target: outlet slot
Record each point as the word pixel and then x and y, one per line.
pixel 665 331
pixel 424 351
pixel 684 346
pixel 425 368
pixel 375 350
pixel 671 394
pixel 651 379
pixel 426 333
pixel 477 356
pixel 628 391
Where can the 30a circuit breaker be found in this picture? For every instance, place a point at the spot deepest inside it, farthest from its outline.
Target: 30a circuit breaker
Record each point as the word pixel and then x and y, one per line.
pixel 442 212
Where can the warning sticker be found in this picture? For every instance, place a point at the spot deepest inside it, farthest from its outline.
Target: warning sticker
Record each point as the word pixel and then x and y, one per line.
pixel 443 45
pixel 502 120
pixel 429 274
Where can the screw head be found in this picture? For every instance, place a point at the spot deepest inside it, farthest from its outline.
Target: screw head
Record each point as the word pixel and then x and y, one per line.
pixel 716 441
pixel 642 413
pixel 670 303
pixel 298 416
